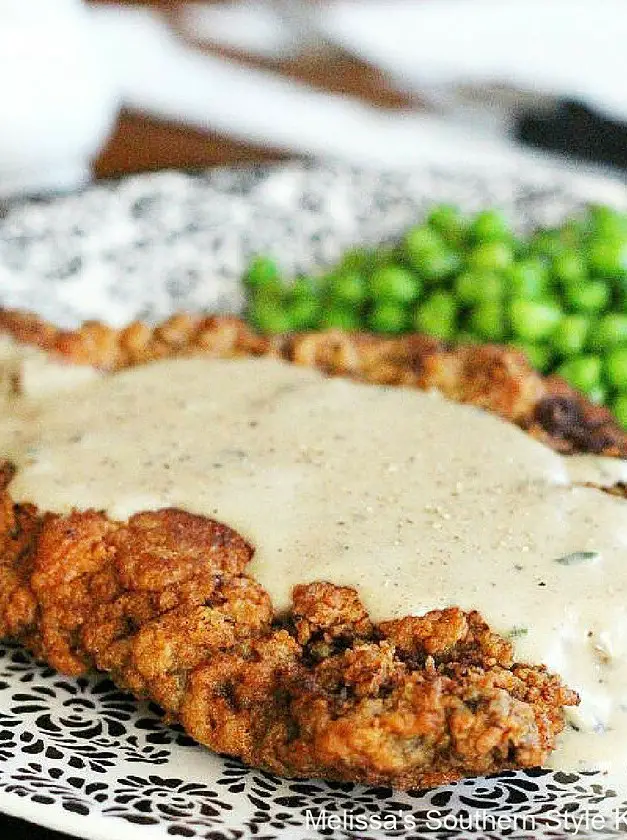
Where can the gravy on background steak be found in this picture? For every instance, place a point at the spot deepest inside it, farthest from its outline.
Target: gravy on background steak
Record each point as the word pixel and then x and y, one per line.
pixel 417 502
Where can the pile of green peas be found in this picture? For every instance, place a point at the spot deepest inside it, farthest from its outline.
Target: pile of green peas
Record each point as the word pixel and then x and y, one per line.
pixel 559 294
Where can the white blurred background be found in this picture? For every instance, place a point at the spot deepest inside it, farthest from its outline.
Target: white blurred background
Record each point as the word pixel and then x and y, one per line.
pixel 107 88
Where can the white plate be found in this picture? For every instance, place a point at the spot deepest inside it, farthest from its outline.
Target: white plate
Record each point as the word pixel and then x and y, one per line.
pixel 80 756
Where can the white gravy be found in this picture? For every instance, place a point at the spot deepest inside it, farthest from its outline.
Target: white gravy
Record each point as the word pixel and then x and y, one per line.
pixel 417 502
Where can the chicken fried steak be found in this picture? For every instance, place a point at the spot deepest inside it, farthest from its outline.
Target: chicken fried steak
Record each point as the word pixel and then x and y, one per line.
pixel 162 600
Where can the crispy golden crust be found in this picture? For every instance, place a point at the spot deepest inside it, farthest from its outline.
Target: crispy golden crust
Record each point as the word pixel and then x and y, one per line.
pixel 494 377
pixel 164 604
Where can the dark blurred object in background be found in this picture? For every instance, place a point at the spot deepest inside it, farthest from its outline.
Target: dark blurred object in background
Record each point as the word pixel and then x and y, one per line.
pixel 575 130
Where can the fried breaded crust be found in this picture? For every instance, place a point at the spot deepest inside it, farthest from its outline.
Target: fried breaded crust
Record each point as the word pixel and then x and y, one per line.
pixel 163 603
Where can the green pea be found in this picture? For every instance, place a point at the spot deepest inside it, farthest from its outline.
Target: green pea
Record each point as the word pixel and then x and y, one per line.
pixel 440 265
pixel 540 356
pixel 591 297
pixel 569 267
pixel 356 260
pixel 606 223
pixel 419 241
pixel 303 311
pixel 261 272
pixel 467 287
pixel 582 372
pixel 570 335
pixel 619 407
pixel 528 278
pixel 347 287
pixel 304 292
pixel 492 288
pixel 394 283
pixel 615 368
pixel 547 243
pixel 301 302
pixel 472 288
pixel 533 321
pixel 608 258
pixel 491 256
pixel 340 318
pixel 609 331
pixel 449 222
pixel 437 316
pixel 487 320
pixel 269 315
pixel 490 226
pixel 272 289
pixel 388 317
pixel 427 252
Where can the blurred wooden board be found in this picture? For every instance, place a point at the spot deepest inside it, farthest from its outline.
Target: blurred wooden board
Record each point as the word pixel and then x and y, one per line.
pixel 140 143
pixel 143 144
